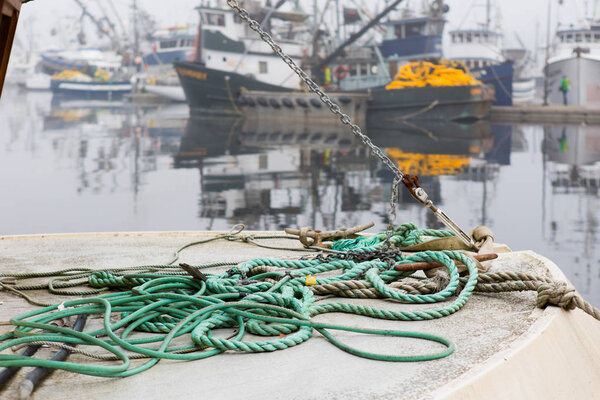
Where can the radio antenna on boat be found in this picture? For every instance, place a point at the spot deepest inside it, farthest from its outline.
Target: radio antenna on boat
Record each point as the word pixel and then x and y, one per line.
pixel 410 182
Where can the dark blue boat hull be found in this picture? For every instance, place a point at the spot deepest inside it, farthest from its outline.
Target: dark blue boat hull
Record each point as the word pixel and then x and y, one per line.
pixel 501 77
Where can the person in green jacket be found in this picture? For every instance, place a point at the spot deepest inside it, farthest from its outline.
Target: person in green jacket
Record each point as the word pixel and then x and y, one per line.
pixel 565 86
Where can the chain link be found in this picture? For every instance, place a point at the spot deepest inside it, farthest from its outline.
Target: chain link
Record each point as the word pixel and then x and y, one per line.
pixel 333 107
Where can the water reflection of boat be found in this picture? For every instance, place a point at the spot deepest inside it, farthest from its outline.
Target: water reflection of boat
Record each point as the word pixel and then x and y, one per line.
pixel 570 202
pixel 573 156
pixel 251 169
pixel 431 136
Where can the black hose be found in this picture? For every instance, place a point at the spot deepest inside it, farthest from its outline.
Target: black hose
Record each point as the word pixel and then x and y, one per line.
pixel 34 377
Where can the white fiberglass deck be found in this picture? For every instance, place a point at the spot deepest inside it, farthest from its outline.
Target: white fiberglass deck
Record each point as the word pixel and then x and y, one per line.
pixel 505 346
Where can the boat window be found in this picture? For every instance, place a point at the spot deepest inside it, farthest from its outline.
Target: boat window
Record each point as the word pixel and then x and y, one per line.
pixel 167 44
pixel 263 161
pixel 588 37
pixel 213 19
pixel 435 27
pixel 364 69
pixel 414 29
pixel 453 36
pixel 569 38
pixel 182 43
pixel 577 37
pixel 399 31
pixel 596 37
pixel 561 38
pixel 374 69
pixel 468 38
pixel 262 67
pixel 353 69
pixel 476 37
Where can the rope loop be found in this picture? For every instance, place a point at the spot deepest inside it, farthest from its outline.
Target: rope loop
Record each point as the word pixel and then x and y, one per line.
pixel 557 294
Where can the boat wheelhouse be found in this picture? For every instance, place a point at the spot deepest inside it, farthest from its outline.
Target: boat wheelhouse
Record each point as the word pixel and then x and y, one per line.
pixel 409 38
pixel 170 45
pixel 477 48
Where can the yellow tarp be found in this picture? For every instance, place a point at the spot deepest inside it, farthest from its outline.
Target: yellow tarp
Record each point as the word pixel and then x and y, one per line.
pixel 423 73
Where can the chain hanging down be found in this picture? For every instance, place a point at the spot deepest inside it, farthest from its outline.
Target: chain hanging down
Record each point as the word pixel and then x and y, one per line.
pixel 345 119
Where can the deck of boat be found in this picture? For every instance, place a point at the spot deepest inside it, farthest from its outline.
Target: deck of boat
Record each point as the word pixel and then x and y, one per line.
pixel 505 346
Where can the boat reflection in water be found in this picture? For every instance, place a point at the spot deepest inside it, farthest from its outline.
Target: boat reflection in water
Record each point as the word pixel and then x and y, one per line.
pixel 272 175
pixel 571 221
pixel 114 144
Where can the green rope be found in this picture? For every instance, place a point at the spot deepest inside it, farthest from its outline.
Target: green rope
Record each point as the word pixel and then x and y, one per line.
pixel 267 297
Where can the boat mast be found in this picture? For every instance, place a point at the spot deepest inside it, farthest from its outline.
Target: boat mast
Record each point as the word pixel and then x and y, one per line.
pixel 546 83
pixel 317 67
pixel 136 37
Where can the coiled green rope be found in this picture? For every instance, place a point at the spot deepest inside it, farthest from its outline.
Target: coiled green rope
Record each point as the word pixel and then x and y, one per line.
pixel 160 304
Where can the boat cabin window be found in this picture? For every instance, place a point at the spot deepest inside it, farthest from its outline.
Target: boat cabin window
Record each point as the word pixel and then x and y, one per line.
pixel 398 31
pixel 578 37
pixel 596 37
pixel 588 37
pixel 374 69
pixel 412 29
pixel 468 38
pixel 435 27
pixel 364 69
pixel 476 37
pixel 262 67
pixel 353 70
pixel 213 19
pixel 486 37
pixel 167 44
pixel 569 38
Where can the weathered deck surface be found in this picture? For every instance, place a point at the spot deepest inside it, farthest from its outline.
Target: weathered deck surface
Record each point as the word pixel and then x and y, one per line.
pixel 487 332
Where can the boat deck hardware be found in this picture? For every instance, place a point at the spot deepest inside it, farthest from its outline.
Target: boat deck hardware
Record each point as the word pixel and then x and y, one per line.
pixel 419 194
pixel 318 236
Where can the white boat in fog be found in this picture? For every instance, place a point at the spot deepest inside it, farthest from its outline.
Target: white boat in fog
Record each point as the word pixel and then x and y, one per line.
pixel 576 56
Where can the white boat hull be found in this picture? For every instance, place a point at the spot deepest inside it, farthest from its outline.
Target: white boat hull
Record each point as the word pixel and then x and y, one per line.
pixel 584 74
pixel 171 92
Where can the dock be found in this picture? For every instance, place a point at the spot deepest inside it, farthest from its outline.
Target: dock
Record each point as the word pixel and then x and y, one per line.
pixel 505 346
pixel 539 114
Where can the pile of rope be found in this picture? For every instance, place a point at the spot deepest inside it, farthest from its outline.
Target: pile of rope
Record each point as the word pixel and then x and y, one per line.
pixel 70 75
pixel 170 312
pixel 424 73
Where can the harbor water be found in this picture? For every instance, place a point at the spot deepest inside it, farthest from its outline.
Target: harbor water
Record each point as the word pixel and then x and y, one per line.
pixel 89 166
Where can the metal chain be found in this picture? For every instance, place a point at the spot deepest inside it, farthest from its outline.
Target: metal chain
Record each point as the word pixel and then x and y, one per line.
pixel 333 107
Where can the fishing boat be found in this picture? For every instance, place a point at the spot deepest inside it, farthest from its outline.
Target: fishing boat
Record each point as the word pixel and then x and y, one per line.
pixel 480 48
pixel 575 57
pixel 168 45
pixel 359 71
pixel 101 86
pixel 229 58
